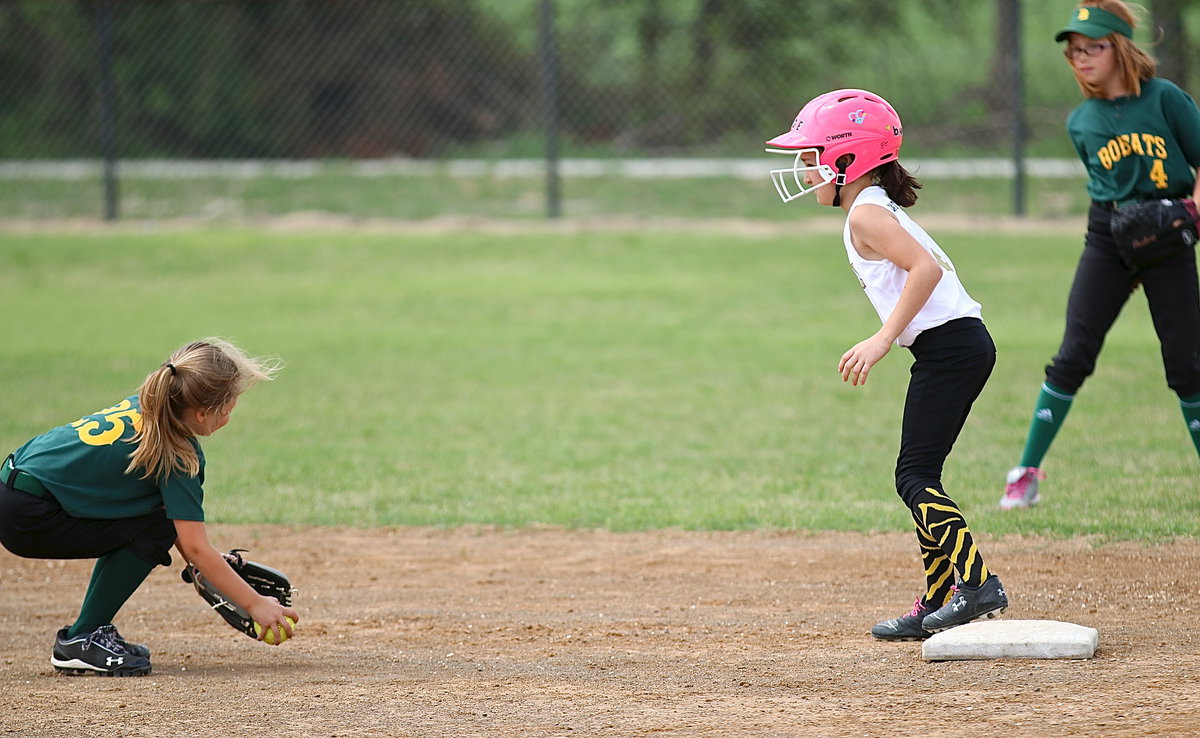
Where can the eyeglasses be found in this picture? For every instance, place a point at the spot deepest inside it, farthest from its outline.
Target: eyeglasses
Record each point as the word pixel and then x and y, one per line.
pixel 1087 50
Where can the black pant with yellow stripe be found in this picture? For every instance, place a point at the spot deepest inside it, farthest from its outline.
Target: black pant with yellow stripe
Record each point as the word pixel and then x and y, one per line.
pixel 952 364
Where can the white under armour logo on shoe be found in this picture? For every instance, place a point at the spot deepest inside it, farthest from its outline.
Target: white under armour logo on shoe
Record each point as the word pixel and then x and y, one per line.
pixel 958 605
pixel 117 660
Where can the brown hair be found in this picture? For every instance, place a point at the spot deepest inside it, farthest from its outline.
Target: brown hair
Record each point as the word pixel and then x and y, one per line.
pixel 208 375
pixel 897 182
pixel 1135 65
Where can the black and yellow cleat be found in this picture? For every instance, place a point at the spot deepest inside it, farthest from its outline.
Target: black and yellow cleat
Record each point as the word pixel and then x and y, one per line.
pixel 969 603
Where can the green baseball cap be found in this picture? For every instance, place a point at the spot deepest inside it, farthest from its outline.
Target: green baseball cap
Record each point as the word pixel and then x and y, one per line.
pixel 1094 23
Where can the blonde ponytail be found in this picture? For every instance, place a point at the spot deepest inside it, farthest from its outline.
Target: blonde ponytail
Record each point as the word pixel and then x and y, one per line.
pixel 205 375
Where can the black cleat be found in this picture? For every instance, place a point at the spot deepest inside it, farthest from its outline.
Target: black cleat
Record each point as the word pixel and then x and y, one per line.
pixel 967 604
pixel 99 652
pixel 136 649
pixel 906 627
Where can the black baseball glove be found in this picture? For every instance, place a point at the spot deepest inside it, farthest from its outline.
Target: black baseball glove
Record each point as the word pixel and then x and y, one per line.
pixel 261 578
pixel 1150 232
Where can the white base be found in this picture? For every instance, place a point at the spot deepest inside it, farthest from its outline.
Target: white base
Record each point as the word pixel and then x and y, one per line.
pixel 1012 639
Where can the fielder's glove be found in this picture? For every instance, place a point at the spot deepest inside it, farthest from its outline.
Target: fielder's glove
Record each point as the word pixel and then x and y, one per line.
pixel 261 578
pixel 1152 231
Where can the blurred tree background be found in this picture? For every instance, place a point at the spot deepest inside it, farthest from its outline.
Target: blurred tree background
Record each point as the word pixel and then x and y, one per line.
pixel 446 79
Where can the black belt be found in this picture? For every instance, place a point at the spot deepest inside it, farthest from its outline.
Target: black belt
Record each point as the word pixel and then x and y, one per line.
pixel 1111 204
pixel 1114 204
pixel 19 480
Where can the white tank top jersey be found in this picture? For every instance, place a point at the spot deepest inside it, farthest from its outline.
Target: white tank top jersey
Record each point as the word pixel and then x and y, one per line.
pixel 882 280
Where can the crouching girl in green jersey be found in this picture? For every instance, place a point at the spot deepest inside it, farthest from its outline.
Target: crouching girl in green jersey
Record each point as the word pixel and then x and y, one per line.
pixel 123 485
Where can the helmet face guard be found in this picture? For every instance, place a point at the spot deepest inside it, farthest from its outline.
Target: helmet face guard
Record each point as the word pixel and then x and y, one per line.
pixel 793 177
pixel 852 131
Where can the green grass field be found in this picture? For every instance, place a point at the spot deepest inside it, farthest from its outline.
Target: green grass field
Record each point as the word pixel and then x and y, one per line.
pixel 624 381
pixel 333 190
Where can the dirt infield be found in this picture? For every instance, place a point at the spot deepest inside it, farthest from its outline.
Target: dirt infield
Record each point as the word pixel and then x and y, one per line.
pixel 546 632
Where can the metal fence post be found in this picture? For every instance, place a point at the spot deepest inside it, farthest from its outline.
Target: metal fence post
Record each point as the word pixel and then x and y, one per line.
pixel 108 106
pixel 548 58
pixel 1018 111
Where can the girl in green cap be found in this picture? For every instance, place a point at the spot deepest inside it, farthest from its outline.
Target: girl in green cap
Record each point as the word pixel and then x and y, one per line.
pixel 1139 138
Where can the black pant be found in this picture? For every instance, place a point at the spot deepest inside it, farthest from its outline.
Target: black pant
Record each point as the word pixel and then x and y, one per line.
pixel 952 364
pixel 38 528
pixel 1102 286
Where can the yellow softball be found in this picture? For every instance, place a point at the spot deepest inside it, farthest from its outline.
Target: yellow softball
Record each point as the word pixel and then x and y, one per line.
pixel 270 637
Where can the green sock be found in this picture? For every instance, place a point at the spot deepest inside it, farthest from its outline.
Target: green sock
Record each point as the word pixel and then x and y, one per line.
pixel 1048 417
pixel 1191 414
pixel 115 578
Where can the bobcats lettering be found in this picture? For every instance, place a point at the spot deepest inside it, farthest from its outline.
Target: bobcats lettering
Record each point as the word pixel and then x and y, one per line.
pixel 1142 144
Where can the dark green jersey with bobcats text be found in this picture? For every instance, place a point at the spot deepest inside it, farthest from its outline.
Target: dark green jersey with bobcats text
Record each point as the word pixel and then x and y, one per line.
pixel 1139 148
pixel 83 465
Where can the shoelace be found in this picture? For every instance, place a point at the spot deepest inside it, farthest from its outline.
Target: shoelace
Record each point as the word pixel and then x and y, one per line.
pixel 1021 486
pixel 120 639
pixel 916 610
pixel 106 636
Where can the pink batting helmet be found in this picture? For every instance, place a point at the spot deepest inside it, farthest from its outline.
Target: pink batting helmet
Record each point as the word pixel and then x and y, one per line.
pixel 832 125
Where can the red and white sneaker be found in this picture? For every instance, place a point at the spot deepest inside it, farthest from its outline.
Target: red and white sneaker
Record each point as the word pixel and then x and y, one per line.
pixel 1022 487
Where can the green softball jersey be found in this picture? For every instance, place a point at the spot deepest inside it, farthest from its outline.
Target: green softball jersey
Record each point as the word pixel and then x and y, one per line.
pixel 1139 148
pixel 83 465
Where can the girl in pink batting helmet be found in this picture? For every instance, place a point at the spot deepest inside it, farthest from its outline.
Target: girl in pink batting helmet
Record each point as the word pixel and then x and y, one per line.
pixel 846 145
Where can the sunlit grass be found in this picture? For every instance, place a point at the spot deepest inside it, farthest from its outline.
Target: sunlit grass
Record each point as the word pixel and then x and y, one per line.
pixel 615 380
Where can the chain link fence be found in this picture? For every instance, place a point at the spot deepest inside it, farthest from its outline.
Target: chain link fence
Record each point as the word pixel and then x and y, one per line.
pixel 502 108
